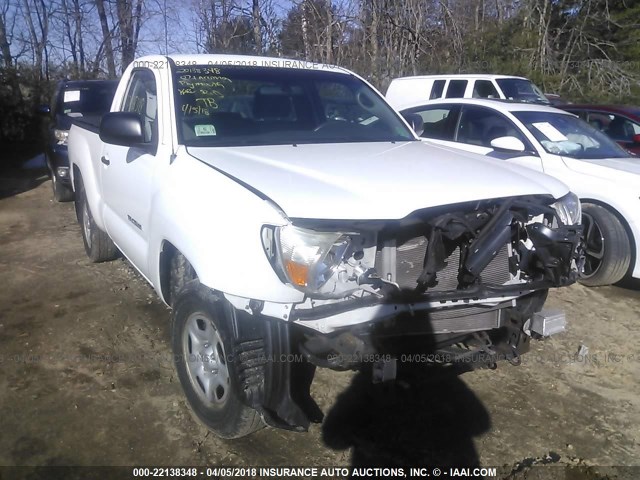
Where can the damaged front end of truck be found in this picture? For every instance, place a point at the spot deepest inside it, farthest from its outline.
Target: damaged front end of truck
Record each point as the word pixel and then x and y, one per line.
pixel 461 283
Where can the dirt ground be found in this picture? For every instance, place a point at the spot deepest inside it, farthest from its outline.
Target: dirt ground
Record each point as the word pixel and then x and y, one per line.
pixel 86 377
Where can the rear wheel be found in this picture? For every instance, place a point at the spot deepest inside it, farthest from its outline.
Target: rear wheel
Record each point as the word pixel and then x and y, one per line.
pixel 203 352
pixel 608 249
pixel 97 244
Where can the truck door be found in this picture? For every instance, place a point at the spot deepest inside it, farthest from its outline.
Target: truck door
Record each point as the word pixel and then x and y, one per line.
pixel 128 174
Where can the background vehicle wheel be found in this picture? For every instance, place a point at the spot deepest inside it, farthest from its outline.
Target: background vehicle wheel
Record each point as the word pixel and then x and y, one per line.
pixel 97 244
pixel 202 348
pixel 608 250
pixel 61 193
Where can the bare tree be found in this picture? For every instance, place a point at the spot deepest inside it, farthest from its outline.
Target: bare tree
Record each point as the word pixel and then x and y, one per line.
pixel 107 44
pixel 36 16
pixel 129 22
pixel 257 25
pixel 5 34
pixel 72 17
pixel 271 26
pixel 304 23
pixel 223 26
pixel 312 30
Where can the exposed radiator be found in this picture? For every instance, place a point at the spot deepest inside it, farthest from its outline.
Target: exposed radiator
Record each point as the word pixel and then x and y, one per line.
pixel 410 260
pixel 467 319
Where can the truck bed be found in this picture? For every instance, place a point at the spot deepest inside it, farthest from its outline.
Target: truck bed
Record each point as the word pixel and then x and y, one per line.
pixel 90 122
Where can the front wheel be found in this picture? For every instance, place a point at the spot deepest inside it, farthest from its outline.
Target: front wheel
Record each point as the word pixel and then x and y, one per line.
pixel 203 353
pixel 61 192
pixel 608 249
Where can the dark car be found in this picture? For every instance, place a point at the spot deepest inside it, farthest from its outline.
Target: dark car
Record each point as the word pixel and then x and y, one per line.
pixel 621 123
pixel 72 99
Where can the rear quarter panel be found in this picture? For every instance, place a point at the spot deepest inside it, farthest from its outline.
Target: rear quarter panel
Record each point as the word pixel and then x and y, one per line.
pixel 85 149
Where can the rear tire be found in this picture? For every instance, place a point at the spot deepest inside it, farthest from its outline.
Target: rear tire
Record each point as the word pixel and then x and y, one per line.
pixel 608 249
pixel 203 353
pixel 97 244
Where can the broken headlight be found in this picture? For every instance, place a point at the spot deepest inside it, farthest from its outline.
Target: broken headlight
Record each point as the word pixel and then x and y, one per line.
pixel 569 209
pixel 307 258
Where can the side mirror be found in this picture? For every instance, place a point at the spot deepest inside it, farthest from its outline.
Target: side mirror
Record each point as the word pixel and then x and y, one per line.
pixel 415 121
pixel 508 144
pixel 636 138
pixel 43 109
pixel 122 128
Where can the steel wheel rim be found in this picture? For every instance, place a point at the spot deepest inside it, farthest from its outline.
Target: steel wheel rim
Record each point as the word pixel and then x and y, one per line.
pixel 594 246
pixel 206 360
pixel 86 223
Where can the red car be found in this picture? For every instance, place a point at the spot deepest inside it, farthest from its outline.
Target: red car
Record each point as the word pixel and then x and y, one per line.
pixel 621 123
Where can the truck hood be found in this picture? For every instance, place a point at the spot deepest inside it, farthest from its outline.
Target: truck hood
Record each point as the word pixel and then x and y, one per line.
pixel 372 181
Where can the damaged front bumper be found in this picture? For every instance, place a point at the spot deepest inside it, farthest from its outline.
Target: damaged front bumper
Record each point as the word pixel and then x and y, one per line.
pixel 459 285
pixel 486 255
pixel 448 273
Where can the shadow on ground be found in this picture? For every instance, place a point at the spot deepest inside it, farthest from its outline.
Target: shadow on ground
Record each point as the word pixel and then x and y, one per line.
pixel 424 421
pixel 22 168
pixel 629 283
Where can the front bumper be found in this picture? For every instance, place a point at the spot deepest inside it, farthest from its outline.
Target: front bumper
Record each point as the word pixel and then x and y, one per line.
pixel 464 318
pixel 329 318
pixel 58 160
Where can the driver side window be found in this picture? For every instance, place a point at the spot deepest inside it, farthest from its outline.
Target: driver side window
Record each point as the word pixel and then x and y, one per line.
pixel 141 98
pixel 479 126
pixel 439 121
pixel 619 128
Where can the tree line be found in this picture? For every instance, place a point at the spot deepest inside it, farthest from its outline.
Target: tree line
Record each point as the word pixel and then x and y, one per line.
pixel 584 50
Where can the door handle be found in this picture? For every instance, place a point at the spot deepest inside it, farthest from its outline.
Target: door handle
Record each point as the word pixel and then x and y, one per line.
pixel 105 160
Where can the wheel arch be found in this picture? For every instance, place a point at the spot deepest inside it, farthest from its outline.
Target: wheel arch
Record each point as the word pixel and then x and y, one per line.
pixel 167 251
pixel 75 179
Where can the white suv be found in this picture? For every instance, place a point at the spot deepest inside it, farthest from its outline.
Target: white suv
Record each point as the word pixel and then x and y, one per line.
pixel 432 87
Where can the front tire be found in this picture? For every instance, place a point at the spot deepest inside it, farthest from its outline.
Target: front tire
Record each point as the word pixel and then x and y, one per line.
pixel 203 353
pixel 608 249
pixel 61 193
pixel 97 244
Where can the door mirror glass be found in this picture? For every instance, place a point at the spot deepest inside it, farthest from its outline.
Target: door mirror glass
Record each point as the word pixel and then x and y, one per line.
pixel 508 144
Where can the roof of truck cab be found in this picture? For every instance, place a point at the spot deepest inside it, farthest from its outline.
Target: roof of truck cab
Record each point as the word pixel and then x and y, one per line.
pixel 243 60
pixel 500 105
pixel 459 76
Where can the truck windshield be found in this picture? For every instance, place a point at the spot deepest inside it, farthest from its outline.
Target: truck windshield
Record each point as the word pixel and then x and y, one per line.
pixel 236 105
pixel 566 135
pixel 522 90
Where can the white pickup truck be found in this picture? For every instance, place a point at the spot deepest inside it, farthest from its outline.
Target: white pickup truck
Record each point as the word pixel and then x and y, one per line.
pixel 293 220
